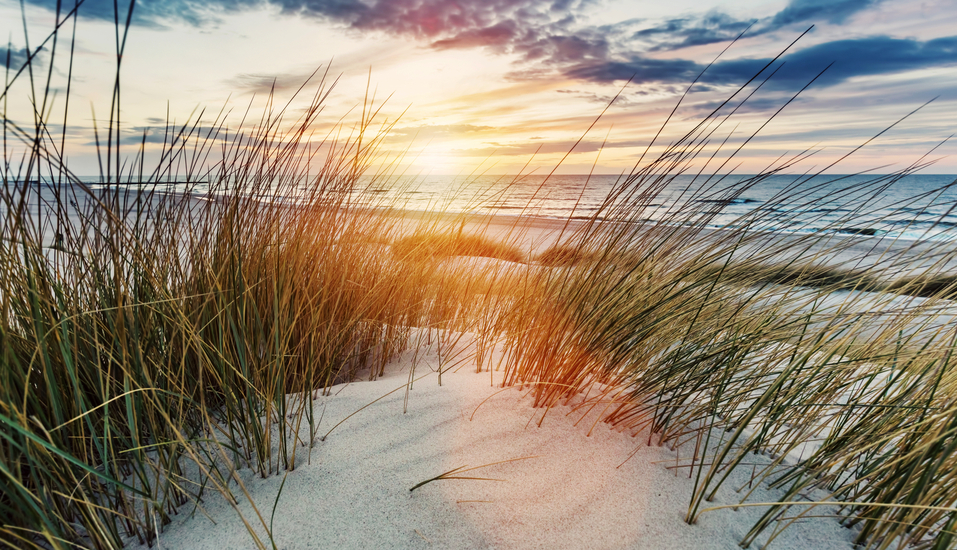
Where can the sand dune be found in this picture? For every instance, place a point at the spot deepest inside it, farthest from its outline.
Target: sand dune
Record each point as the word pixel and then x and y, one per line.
pixel 567 483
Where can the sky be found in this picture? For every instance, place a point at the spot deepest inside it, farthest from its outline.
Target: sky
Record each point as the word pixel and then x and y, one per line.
pixel 498 86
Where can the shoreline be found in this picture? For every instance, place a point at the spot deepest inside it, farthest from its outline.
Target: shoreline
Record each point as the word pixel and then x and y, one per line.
pixel 536 233
pixel 885 258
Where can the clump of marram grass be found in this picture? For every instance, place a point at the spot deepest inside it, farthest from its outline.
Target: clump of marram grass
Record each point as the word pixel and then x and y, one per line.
pixel 737 339
pixel 834 278
pixel 154 342
pixel 171 342
pixel 757 363
pixel 442 245
pixel 929 286
pixel 561 255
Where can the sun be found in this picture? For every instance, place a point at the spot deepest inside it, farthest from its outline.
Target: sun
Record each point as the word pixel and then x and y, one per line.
pixel 438 158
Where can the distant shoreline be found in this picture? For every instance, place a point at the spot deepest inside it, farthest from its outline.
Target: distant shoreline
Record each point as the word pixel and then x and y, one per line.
pixel 888 256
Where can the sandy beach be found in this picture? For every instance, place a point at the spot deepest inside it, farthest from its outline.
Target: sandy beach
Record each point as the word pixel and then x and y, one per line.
pixel 564 481
pixel 549 479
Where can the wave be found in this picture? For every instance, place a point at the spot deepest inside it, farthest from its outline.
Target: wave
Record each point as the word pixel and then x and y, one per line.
pixel 727 202
pixel 866 231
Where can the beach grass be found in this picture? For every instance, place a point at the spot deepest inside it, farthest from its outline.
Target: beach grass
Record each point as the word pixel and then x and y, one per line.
pixel 744 344
pixel 455 244
pixel 155 343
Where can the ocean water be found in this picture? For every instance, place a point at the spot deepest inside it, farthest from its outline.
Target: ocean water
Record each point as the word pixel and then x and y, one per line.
pixel 913 207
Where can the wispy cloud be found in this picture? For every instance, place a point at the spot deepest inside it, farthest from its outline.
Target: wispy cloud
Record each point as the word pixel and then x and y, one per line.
pixel 433 131
pixel 548 147
pixel 268 83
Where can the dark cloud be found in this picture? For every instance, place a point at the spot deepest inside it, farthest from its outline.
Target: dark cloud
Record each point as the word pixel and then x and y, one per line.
pixel 546 39
pixel 816 11
pixel 753 105
pixel 851 58
pixel 436 19
pixel 153 13
pixel 621 100
pixel 470 23
pixel 859 57
pixel 716 27
pixel 422 19
pixel 681 33
pixel 639 69
pixel 537 30
pixel 566 49
pixel 13 59
pixel 499 35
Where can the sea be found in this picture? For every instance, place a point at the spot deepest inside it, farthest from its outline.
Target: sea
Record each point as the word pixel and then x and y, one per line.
pixel 911 207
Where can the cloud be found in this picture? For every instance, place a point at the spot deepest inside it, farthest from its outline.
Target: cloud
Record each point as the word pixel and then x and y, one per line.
pixel 153 13
pixel 535 30
pixel 469 23
pixel 674 34
pixel 548 39
pixel 499 35
pixel 715 26
pixel 176 133
pixel 815 11
pixel 753 105
pixel 440 131
pixel 435 19
pixel 546 147
pixel 639 68
pixel 851 58
pixel 267 83
pixel 13 59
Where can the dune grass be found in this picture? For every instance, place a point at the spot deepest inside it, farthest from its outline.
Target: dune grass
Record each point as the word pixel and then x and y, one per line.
pixel 698 336
pixel 829 277
pixel 561 255
pixel 155 343
pixel 165 332
pixel 152 339
pixel 455 243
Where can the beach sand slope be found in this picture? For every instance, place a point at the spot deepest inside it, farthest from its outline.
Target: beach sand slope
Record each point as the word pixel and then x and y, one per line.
pixel 574 487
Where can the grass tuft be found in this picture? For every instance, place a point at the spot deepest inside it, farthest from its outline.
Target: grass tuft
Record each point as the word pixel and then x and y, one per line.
pixel 431 245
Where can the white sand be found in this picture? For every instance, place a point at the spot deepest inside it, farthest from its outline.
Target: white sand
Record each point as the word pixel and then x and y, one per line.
pixel 355 492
